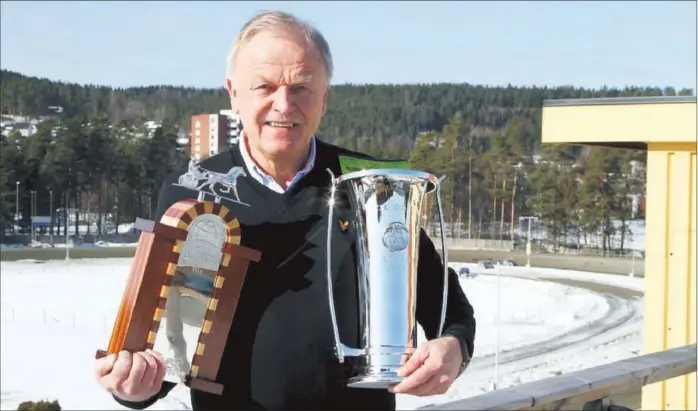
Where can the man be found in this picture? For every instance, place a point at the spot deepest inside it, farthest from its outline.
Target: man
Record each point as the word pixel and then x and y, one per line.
pixel 279 353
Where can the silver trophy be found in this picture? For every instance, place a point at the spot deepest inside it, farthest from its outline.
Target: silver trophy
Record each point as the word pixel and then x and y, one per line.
pixel 387 208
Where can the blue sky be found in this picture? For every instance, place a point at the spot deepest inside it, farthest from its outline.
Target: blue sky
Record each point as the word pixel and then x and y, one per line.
pixel 586 44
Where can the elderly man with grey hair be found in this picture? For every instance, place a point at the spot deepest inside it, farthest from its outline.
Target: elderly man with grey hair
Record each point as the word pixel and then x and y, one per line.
pixel 280 349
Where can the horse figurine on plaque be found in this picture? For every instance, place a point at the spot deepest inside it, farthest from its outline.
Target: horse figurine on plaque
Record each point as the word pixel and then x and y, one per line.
pixel 185 281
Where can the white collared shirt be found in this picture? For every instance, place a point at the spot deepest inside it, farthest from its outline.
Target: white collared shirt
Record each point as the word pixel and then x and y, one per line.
pixel 264 178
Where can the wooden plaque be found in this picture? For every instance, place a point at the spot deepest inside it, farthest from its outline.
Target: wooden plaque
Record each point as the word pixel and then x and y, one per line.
pixel 194 251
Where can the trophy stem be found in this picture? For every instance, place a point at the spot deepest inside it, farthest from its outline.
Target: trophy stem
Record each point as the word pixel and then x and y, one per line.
pixel 444 253
pixel 335 328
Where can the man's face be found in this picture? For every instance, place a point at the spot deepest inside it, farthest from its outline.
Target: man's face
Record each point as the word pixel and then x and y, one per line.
pixel 279 87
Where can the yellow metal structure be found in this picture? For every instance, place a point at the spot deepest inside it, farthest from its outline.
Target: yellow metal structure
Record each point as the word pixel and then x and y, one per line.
pixel 666 128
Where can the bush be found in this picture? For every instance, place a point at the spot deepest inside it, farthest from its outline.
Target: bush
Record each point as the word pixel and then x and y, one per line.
pixel 39 406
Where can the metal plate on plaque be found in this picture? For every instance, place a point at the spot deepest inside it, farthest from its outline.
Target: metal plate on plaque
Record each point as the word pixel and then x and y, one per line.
pixel 189 295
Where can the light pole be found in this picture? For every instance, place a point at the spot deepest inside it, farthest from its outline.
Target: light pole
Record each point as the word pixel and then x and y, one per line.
pixel 528 240
pixel 32 197
pixel 496 329
pixel 14 229
pixel 67 247
pixel 50 196
pixel 528 245
pixel 470 186
pixel 66 212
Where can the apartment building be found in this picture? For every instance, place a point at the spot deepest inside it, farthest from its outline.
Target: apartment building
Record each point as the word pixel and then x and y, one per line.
pixel 208 135
pixel 213 133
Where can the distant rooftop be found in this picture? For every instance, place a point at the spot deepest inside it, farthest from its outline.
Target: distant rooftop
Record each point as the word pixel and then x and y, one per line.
pixel 618 100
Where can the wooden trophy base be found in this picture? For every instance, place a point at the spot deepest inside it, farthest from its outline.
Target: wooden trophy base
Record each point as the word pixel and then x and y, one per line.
pixel 149 286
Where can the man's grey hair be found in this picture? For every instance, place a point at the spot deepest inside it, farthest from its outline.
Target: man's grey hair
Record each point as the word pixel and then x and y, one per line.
pixel 280 20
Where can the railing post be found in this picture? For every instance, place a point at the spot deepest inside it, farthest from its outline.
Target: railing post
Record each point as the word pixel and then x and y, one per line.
pixel 600 404
pixel 604 404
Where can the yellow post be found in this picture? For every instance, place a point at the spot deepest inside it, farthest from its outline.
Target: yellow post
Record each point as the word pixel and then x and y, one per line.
pixel 670 266
pixel 666 128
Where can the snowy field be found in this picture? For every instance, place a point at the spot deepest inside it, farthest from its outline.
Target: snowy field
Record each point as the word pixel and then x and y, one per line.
pixel 56 314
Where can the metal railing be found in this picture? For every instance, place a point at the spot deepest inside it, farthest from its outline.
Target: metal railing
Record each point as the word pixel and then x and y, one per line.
pixel 586 388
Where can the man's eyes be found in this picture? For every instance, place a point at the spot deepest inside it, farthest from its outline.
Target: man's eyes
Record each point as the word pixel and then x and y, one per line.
pixel 269 88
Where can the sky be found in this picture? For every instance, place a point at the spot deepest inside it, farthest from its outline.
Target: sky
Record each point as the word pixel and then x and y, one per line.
pixel 584 44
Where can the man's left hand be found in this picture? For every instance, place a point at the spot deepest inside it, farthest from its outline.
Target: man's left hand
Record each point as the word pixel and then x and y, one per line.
pixel 432 368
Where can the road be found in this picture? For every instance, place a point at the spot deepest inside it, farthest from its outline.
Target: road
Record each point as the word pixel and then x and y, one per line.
pixel 595 264
pixel 607 265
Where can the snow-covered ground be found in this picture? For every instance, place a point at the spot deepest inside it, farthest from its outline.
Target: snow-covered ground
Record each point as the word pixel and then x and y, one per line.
pixel 56 314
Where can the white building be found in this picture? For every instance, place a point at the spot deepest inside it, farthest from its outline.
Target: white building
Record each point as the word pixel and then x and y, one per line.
pixel 234 126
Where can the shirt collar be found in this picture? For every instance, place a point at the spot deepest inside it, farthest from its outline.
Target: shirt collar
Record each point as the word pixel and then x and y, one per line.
pixel 265 178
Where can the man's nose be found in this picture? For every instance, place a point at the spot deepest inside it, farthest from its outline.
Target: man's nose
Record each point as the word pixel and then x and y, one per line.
pixel 283 100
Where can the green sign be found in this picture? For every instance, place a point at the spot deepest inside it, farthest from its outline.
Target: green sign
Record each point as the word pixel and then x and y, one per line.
pixel 351 164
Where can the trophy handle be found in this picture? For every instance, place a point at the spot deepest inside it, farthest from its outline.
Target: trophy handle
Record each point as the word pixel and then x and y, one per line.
pixel 340 349
pixel 444 253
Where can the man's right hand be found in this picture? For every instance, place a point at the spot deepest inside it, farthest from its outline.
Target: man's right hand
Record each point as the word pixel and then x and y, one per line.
pixel 133 377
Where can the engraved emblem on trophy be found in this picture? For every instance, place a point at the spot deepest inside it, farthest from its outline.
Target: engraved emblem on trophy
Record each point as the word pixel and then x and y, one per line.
pixel 396 237
pixel 387 205
pixel 182 290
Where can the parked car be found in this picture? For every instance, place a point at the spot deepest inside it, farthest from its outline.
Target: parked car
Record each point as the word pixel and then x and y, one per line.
pixel 465 272
pixel 485 265
pixel 509 262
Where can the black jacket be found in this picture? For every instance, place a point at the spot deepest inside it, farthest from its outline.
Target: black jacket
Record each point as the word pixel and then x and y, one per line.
pixel 280 350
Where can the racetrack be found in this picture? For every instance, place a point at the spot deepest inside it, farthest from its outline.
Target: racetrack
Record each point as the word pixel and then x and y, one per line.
pixel 623 313
pixel 624 320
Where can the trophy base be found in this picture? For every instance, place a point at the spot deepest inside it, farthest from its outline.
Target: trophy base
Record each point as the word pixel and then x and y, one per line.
pixel 381 381
pixel 202 384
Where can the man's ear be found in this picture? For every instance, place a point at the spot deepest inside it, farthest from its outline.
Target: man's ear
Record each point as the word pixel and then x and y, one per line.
pixel 324 101
pixel 231 92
